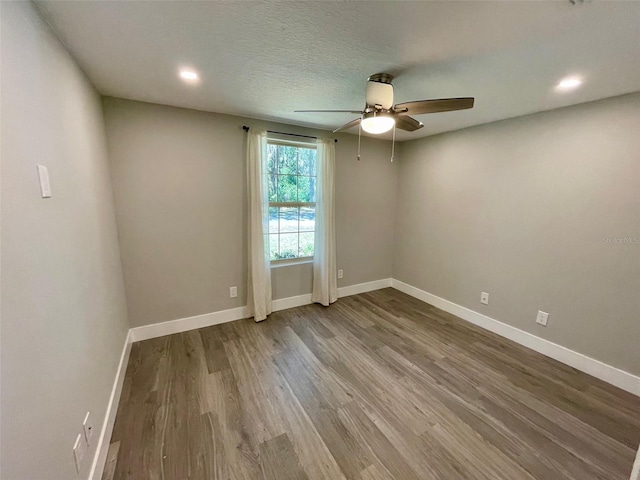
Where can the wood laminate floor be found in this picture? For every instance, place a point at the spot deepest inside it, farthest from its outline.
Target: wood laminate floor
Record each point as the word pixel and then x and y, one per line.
pixel 377 386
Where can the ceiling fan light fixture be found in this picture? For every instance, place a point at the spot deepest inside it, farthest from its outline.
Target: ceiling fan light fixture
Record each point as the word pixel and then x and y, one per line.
pixel 569 83
pixel 189 75
pixel 377 122
pixel 380 114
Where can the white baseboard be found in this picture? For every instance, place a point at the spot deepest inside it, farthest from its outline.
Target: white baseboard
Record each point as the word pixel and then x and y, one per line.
pixel 635 471
pixel 185 324
pixel 596 368
pixel 206 320
pixel 290 302
pixel 102 449
pixel 298 301
pixel 364 287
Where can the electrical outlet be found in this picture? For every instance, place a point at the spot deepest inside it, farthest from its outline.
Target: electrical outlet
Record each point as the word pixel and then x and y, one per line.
pixel 542 318
pixel 79 449
pixel 484 298
pixel 87 425
pixel 340 273
pixel 233 292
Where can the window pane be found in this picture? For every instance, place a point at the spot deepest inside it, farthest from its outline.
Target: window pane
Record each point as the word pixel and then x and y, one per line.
pixel 273 221
pixel 291 178
pixel 307 161
pixel 273 187
pixel 273 247
pixel 288 245
pixel 287 160
pixel 287 188
pixel 272 159
pixel 306 189
pixel 307 219
pixel 306 244
pixel 288 219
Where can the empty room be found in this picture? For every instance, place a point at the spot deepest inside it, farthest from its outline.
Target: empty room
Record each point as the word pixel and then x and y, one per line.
pixel 320 240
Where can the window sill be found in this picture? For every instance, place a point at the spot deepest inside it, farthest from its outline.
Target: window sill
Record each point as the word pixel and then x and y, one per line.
pixel 292 262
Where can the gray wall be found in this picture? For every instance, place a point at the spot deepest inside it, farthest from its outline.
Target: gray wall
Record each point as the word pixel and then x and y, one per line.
pixel 63 304
pixel 519 209
pixel 179 181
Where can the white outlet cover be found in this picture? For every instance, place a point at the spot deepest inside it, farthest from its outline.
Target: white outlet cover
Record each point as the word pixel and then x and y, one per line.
pixel 233 292
pixel 340 273
pixel 542 318
pixel 87 425
pixel 484 298
pixel 79 449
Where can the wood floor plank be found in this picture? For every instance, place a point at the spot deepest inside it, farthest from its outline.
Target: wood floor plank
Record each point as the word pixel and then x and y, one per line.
pixel 240 448
pixel 460 408
pixel 423 459
pixel 251 371
pixel 377 386
pixel 279 460
pixel 136 428
pixel 369 379
pixel 373 472
pixel 215 354
pixel 606 418
pixel 310 449
pixel 302 360
pixel 558 424
pixel 381 448
pixel 348 453
pixel 112 459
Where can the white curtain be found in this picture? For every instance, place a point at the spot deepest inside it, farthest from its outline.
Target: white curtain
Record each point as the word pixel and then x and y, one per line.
pixel 325 282
pixel 259 281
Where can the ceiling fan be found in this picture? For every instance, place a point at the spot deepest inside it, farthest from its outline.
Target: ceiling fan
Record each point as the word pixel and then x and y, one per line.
pixel 380 114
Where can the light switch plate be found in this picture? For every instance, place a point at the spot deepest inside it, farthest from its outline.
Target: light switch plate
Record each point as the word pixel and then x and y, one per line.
pixel 542 318
pixel 79 449
pixel 87 425
pixel 45 186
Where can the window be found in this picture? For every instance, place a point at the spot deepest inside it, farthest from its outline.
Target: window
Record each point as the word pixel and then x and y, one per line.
pixel 291 169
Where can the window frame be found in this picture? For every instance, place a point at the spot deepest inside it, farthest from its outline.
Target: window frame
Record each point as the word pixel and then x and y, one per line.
pixel 283 262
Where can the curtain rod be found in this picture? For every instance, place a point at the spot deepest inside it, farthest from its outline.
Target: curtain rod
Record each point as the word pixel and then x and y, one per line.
pixel 246 129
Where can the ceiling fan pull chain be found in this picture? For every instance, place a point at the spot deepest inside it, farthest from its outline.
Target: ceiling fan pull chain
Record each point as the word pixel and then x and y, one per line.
pixel 359 135
pixel 393 143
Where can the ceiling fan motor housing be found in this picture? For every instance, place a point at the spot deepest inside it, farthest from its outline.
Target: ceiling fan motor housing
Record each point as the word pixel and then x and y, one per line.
pixel 380 91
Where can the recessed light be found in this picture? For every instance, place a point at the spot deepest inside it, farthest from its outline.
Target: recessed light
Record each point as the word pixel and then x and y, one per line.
pixel 569 83
pixel 188 75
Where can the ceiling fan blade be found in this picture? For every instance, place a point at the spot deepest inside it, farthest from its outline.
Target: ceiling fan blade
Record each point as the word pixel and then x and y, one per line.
pixel 328 111
pixel 405 122
pixel 346 126
pixel 433 106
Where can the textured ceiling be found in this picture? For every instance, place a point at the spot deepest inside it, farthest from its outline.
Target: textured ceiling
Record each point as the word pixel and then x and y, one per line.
pixel 266 59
